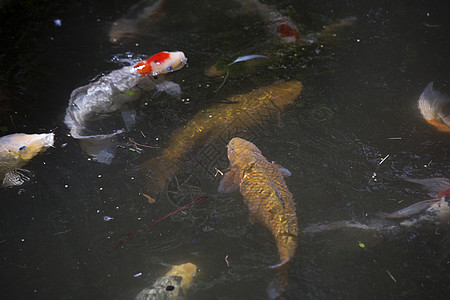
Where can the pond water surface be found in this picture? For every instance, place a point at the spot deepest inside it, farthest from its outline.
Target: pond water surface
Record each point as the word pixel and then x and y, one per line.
pixel 358 105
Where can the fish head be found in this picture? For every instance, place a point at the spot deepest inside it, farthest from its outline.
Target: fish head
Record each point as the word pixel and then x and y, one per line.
pixel 23 147
pixel 161 63
pixel 186 271
pixel 238 147
pixel 172 285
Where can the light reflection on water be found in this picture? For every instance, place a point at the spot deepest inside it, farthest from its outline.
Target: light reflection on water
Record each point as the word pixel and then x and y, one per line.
pixel 356 95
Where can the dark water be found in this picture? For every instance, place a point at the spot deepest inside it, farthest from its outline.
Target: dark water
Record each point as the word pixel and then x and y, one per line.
pixel 360 89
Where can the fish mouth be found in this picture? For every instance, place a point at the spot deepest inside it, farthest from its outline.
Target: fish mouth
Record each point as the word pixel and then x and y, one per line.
pixel 179 60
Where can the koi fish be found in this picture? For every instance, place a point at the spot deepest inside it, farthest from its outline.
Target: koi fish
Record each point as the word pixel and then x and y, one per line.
pixel 16 150
pixel 172 286
pixel 427 211
pixel 439 187
pixel 207 125
pixel 277 25
pixel 139 18
pixel 435 108
pixel 266 195
pixel 113 91
pixel 423 212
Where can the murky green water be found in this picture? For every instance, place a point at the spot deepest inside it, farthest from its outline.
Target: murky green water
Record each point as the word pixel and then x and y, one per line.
pixel 360 89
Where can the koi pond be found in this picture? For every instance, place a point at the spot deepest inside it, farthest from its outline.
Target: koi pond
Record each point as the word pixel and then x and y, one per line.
pixel 355 143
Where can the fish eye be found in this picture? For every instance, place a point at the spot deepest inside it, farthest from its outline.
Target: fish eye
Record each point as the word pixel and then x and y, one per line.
pixel 169 68
pixel 22 148
pixel 170 288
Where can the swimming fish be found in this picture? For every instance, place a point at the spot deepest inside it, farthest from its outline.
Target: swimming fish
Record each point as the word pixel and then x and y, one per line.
pixel 427 211
pixel 16 150
pixel 137 20
pixel 420 213
pixel 112 91
pixel 207 125
pixel 278 25
pixel 172 286
pixel 439 187
pixel 266 195
pixel 435 108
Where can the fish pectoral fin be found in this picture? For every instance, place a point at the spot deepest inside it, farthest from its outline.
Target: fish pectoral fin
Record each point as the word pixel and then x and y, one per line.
pixel 227 184
pixel 15 178
pixel 283 170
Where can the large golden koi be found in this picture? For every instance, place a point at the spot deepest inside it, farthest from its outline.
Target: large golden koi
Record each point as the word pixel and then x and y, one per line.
pixel 208 124
pixel 267 196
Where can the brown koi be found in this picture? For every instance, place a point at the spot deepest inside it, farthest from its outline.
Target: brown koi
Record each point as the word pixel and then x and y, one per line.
pixel 267 197
pixel 208 124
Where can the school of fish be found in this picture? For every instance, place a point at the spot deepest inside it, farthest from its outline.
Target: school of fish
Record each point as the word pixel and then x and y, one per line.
pixel 260 182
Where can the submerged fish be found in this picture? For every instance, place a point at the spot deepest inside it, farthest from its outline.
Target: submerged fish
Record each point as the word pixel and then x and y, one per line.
pixel 137 20
pixel 420 213
pixel 266 195
pixel 277 24
pixel 435 108
pixel 171 286
pixel 427 211
pixel 16 150
pixel 439 187
pixel 112 91
pixel 206 126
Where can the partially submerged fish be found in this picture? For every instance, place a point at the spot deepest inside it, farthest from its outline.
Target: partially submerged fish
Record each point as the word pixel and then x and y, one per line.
pixel 172 286
pixel 435 108
pixel 112 91
pixel 137 20
pixel 266 195
pixel 207 125
pixel 16 150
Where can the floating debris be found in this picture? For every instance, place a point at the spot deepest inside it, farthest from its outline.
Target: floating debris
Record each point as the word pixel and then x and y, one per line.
pixel 247 57
pixel 106 218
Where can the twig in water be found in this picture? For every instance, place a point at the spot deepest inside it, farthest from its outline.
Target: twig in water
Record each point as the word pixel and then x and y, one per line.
pixel 223 82
pixel 226 260
pixel 12 121
pixel 133 234
pixel 390 275
pixel 142 145
pixel 218 172
pixel 383 159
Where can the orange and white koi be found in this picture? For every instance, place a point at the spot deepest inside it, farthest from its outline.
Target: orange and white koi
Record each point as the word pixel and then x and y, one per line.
pixel 435 108
pixel 137 20
pixel 16 150
pixel 112 91
pixel 277 24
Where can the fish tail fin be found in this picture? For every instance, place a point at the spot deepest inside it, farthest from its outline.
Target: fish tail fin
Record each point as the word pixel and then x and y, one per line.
pixel 439 187
pixel 278 284
pixel 431 104
pixel 157 173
